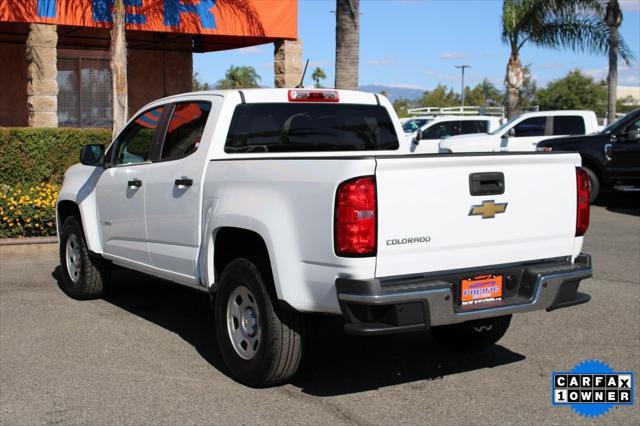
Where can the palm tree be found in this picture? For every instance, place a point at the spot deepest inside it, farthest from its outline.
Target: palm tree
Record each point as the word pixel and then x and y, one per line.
pixel 317 75
pixel 119 68
pixel 347 43
pixel 490 93
pixel 239 78
pixel 613 20
pixel 551 24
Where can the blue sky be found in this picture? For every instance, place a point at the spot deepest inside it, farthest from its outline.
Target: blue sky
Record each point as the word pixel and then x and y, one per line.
pixel 417 43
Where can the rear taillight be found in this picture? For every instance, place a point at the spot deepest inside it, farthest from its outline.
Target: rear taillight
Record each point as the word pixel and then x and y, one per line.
pixel 301 95
pixel 355 217
pixel 583 192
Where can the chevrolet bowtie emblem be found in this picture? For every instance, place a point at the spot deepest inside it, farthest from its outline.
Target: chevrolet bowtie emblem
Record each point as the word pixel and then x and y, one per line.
pixel 488 209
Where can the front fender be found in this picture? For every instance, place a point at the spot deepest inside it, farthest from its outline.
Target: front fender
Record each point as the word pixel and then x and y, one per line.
pixel 79 187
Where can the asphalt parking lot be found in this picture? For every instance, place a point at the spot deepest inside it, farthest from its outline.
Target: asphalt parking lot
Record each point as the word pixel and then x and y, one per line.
pixel 146 354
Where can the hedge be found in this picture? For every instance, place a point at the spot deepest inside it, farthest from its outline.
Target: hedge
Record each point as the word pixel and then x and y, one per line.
pixel 31 156
pixel 32 166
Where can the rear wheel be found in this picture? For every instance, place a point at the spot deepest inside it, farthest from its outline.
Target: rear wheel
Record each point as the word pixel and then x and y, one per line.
pixel 595 185
pixel 472 335
pixel 260 342
pixel 83 275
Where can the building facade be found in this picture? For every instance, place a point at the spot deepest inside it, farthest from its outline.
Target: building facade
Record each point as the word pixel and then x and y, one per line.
pixel 55 54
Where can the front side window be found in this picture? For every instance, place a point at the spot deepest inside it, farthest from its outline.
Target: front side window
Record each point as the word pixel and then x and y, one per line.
pixel 296 127
pixel 442 130
pixel 134 143
pixel 568 125
pixel 530 127
pixel 185 129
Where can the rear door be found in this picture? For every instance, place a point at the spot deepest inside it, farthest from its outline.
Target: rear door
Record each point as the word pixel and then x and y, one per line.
pixel 174 187
pixel 429 221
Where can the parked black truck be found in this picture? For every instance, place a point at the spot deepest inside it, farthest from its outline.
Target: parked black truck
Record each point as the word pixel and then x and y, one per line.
pixel 611 157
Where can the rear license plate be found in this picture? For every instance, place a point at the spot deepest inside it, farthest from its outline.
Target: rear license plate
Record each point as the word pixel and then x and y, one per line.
pixel 486 288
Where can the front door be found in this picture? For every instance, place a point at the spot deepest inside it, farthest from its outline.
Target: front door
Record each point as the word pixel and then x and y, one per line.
pixel 173 190
pixel 121 189
pixel 525 135
pixel 625 161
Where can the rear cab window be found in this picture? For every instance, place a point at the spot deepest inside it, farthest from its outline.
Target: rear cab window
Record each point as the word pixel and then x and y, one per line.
pixel 299 127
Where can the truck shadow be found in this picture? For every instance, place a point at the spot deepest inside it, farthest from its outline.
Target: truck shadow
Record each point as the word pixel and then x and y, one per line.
pixel 620 202
pixel 334 363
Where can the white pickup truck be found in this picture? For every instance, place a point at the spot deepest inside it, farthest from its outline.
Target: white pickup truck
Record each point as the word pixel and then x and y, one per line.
pixel 523 132
pixel 284 204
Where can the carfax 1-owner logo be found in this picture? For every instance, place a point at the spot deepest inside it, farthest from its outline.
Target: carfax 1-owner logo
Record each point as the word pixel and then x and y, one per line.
pixel 592 388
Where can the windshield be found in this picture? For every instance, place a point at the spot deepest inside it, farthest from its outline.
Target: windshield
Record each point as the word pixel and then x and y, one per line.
pixel 296 127
pixel 504 126
pixel 414 124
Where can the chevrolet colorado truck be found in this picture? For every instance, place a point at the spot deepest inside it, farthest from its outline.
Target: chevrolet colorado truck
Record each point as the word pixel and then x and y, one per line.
pixel 287 204
pixel 611 157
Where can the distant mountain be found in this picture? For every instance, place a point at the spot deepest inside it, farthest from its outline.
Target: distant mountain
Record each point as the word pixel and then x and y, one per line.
pixel 393 93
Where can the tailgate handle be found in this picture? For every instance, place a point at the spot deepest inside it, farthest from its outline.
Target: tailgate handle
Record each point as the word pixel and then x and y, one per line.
pixel 490 183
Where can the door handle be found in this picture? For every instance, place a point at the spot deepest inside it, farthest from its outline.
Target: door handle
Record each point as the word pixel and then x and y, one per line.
pixel 491 183
pixel 136 183
pixel 183 182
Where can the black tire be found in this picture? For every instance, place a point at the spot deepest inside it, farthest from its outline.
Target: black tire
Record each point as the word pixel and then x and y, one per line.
pixel 91 275
pixel 595 185
pixel 279 349
pixel 472 335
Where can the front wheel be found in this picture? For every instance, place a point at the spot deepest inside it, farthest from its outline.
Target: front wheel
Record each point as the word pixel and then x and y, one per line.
pixel 83 276
pixel 472 335
pixel 261 343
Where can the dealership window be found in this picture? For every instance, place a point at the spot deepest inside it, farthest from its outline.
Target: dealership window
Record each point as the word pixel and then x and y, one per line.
pixel 84 97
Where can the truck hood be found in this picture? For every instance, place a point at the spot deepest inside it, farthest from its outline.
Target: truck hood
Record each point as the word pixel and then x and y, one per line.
pixel 572 139
pixel 480 142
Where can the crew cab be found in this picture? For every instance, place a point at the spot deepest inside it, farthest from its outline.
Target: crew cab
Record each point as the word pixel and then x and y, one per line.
pixel 425 140
pixel 523 133
pixel 611 157
pixel 287 204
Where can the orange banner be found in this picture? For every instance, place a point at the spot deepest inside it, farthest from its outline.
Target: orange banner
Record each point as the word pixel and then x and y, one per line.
pixel 250 18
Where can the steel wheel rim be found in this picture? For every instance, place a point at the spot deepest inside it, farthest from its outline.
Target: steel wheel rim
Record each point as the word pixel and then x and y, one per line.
pixel 243 322
pixel 73 256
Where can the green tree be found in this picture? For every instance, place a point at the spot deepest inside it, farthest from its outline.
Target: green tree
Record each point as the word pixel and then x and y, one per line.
pixel 317 75
pixel 550 24
pixel 490 93
pixel 402 106
pixel 575 91
pixel 198 85
pixel 239 78
pixel 627 104
pixel 441 96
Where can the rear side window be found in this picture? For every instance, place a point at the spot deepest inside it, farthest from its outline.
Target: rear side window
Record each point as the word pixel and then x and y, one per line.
pixel 296 127
pixel 531 127
pixel 474 126
pixel 568 125
pixel 185 129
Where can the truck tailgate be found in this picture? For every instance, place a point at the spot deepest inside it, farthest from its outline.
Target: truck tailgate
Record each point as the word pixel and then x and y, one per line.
pixel 424 212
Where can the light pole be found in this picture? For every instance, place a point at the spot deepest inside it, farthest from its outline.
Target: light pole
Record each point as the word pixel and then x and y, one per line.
pixel 462 67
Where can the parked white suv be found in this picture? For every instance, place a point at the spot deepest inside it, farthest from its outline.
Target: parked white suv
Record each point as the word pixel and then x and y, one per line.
pixel 283 204
pixel 426 139
pixel 525 131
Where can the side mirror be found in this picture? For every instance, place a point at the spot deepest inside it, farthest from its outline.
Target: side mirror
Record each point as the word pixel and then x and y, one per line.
pixel 512 132
pixel 418 137
pixel 92 155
